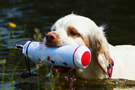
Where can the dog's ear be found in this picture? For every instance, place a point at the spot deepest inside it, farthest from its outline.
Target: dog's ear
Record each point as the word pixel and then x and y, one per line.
pixel 103 56
pixel 100 48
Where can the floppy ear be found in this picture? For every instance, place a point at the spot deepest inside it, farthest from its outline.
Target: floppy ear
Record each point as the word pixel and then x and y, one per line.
pixel 101 49
pixel 103 56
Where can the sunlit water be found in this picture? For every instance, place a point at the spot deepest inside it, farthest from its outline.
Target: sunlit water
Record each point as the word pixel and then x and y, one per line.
pixel 117 15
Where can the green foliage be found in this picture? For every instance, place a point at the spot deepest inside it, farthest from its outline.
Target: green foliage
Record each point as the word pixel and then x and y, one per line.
pixel 37 36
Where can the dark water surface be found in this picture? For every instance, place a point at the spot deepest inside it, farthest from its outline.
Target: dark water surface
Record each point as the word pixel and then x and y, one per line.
pixel 118 15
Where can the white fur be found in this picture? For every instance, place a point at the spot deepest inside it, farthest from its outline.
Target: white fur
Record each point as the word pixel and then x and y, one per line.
pixel 124 61
pixel 123 56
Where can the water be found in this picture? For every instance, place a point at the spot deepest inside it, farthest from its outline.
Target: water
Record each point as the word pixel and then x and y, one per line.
pixel 118 15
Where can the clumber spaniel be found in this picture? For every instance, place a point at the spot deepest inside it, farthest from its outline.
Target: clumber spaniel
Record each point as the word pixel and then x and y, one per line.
pixel 78 30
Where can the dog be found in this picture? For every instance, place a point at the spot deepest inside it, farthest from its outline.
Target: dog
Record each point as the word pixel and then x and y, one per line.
pixel 107 60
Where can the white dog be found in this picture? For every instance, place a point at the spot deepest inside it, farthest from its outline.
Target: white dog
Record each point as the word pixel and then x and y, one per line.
pixel 78 30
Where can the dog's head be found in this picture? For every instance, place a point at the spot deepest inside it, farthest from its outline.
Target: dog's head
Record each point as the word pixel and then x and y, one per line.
pixel 78 30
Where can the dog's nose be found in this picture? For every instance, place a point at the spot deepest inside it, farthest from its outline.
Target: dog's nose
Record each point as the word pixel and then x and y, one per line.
pixel 50 36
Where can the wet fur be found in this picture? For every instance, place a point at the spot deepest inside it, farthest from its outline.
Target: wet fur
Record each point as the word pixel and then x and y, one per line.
pixel 85 32
pixel 79 30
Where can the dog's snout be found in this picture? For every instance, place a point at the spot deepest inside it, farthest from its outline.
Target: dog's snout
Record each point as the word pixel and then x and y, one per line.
pixel 50 37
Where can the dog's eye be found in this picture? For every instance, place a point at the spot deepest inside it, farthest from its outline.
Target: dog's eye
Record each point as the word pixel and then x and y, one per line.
pixel 54 29
pixel 74 33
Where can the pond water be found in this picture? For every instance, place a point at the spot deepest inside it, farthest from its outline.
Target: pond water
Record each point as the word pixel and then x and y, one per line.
pixel 117 15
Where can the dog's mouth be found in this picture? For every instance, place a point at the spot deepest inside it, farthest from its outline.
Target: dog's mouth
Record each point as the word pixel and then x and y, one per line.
pixel 61 69
pixel 52 41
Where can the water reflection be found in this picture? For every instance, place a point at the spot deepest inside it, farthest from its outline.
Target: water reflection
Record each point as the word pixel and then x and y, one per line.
pixel 30 14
